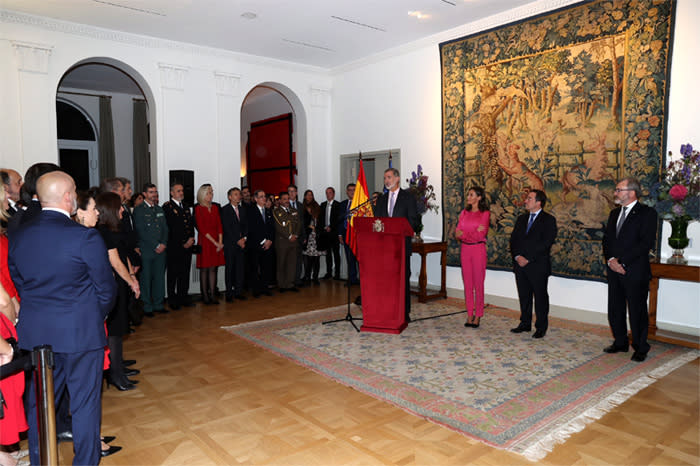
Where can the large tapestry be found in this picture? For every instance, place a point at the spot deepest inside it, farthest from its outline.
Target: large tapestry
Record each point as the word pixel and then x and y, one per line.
pixel 567 103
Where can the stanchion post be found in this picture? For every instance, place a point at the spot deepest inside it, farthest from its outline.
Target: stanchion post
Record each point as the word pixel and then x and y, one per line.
pixel 43 362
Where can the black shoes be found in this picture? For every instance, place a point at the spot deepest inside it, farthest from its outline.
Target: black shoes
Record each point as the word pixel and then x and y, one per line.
pixel 162 311
pixel 617 349
pixel 108 438
pixel 150 315
pixel 638 357
pixel 128 362
pixel 520 329
pixel 538 334
pixel 327 276
pixel 241 297
pixel 66 436
pixel 110 451
pixel 131 372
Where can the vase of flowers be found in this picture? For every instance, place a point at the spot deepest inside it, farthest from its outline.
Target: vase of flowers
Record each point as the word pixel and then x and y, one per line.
pixel 676 198
pixel 424 194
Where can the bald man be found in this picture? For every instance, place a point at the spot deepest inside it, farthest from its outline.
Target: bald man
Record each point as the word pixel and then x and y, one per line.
pixel 63 275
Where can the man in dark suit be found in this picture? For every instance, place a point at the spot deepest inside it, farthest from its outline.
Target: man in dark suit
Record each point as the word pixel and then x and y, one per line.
pixel 628 237
pixel 32 208
pixel 288 227
pixel 179 251
pixel 297 205
pixel 342 231
pixel 397 202
pixel 330 212
pixel 13 183
pixel 67 289
pixel 235 226
pixel 530 243
pixel 261 231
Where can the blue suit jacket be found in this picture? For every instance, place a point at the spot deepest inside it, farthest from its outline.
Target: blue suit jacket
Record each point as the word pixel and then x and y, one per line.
pixel 64 278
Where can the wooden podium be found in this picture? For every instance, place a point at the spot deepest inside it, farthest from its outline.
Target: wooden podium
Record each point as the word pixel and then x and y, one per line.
pixel 381 252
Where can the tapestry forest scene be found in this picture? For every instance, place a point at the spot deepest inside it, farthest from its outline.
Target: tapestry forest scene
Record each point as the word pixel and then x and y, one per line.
pixel 566 103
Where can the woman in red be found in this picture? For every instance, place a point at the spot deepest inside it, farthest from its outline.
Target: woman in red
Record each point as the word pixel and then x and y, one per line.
pixel 11 387
pixel 207 219
pixel 471 230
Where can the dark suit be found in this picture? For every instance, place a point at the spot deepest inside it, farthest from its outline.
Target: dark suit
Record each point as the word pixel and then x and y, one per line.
pixel 342 233
pixel 299 271
pixel 260 261
pixel 132 238
pixel 235 227
pixel 67 289
pixel 631 249
pixel 22 216
pixel 179 259
pixel 404 206
pixel 328 240
pixel 532 279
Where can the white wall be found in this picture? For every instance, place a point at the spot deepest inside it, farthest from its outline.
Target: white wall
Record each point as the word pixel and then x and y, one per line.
pixel 393 100
pixel 194 95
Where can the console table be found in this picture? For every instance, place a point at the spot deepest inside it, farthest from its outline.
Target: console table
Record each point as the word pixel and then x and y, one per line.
pixel 660 269
pixel 424 249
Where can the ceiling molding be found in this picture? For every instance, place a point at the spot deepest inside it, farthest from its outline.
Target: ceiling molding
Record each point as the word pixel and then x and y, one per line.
pixel 516 14
pixel 92 32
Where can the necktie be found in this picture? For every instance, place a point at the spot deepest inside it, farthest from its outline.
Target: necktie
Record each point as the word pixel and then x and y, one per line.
pixel 392 201
pixel 262 212
pixel 621 220
pixel 328 214
pixel 235 209
pixel 529 222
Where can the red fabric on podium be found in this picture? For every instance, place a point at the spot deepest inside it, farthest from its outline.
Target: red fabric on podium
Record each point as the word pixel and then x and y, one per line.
pixel 382 258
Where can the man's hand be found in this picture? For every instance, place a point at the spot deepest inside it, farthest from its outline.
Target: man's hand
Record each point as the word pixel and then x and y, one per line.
pixel 293 238
pixel 160 248
pixel 188 244
pixel 267 244
pixel 615 266
pixel 340 238
pixel 241 243
pixel 522 262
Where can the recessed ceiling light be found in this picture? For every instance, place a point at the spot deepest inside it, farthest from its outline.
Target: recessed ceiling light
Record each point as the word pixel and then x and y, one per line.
pixel 249 15
pixel 418 14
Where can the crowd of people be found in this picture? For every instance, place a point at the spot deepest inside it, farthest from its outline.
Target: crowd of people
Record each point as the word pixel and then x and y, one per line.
pixel 124 256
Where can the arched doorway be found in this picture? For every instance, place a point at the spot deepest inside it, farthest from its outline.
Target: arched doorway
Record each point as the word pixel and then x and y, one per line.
pixel 77 144
pixel 273 119
pixel 114 98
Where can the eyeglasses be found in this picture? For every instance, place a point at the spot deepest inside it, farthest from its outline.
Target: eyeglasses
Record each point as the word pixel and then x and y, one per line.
pixel 617 190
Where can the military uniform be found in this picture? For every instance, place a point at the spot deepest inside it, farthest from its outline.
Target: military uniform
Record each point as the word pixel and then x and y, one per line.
pixel 288 222
pixel 150 224
pixel 179 259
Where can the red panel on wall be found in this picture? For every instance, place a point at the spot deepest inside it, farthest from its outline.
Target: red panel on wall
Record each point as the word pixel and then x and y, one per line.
pixel 270 144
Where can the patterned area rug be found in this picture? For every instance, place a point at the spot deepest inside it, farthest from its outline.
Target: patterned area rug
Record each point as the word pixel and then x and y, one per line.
pixel 506 390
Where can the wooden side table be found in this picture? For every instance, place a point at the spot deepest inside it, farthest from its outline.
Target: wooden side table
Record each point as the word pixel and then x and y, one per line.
pixel 424 249
pixel 688 273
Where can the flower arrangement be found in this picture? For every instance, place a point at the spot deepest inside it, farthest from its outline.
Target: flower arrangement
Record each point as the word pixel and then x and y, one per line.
pixel 423 192
pixel 677 194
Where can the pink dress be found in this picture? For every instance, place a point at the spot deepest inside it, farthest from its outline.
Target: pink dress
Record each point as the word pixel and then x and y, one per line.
pixel 473 258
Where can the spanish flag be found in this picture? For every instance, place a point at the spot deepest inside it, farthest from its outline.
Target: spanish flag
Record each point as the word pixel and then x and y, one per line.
pixel 360 207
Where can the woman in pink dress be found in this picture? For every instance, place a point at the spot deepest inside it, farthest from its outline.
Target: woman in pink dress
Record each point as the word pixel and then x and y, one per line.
pixel 207 218
pixel 471 230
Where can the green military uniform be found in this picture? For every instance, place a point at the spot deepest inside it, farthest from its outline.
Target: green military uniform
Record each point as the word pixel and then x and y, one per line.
pixel 287 223
pixel 150 224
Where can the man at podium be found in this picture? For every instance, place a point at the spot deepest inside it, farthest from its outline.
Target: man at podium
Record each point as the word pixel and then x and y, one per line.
pixel 397 202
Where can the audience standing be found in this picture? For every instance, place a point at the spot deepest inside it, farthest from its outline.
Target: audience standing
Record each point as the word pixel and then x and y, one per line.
pixel 76 300
pixel 235 227
pixel 261 231
pixel 288 227
pixel 328 238
pixel 152 229
pixel 179 251
pixel 208 222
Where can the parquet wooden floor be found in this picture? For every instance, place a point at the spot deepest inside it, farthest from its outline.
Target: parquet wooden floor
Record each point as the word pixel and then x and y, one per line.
pixel 209 398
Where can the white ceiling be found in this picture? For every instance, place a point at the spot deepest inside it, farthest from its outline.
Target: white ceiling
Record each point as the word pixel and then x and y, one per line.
pixel 322 33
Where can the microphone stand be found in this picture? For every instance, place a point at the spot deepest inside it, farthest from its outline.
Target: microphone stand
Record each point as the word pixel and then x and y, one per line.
pixel 348 317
